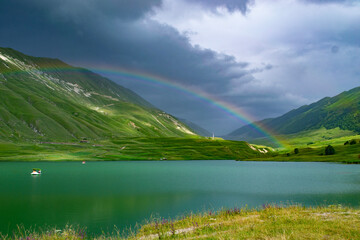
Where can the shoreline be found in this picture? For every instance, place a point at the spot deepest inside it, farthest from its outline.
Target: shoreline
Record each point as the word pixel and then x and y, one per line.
pixel 178 160
pixel 270 222
pixel 260 160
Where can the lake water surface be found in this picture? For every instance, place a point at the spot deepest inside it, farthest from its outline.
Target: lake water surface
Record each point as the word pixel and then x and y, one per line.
pixel 100 195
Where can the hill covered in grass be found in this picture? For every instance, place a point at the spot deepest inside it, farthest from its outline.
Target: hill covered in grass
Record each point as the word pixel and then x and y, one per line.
pixel 196 128
pixel 343 153
pixel 48 100
pixel 341 112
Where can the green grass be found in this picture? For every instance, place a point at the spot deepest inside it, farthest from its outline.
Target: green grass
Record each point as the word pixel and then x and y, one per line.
pixel 129 149
pixel 311 145
pixel 316 153
pixel 319 137
pixel 271 222
pixel 175 149
pixel 312 138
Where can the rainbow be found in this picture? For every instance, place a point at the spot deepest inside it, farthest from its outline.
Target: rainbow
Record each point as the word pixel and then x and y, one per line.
pixel 226 107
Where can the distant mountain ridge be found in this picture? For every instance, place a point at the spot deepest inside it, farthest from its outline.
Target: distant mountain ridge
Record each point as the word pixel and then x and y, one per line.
pixel 42 98
pixel 341 111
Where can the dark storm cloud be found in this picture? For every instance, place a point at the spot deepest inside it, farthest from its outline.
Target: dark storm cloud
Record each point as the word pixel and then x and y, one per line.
pixel 89 32
pixel 142 45
pixel 87 9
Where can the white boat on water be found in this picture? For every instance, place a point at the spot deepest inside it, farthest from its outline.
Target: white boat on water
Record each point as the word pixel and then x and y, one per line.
pixel 36 171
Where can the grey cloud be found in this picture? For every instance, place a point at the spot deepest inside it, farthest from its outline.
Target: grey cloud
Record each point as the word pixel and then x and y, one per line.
pixel 263 68
pixel 334 49
pixel 244 5
pixel 231 5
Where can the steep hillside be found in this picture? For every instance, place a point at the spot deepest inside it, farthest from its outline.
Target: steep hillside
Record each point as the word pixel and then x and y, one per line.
pixel 196 128
pixel 47 99
pixel 341 111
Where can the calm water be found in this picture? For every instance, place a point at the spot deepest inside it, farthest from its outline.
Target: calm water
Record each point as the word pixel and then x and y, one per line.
pixel 100 195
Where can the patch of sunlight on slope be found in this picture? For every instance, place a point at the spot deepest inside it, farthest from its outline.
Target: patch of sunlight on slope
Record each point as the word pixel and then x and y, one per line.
pixel 178 125
pixel 101 110
pixel 51 82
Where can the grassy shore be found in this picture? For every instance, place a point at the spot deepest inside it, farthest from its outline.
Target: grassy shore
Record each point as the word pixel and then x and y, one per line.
pixel 271 222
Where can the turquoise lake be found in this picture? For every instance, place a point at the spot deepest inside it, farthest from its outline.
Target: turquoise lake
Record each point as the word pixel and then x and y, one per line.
pixel 99 195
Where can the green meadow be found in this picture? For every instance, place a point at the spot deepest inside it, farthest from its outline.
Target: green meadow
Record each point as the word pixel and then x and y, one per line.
pixel 310 138
pixel 128 149
pixel 343 154
pixel 310 149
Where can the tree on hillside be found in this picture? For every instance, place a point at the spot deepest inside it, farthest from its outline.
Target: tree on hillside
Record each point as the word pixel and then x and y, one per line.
pixel 329 150
pixel 296 150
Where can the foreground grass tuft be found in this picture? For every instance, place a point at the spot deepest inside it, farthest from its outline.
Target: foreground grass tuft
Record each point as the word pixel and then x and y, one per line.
pixel 271 222
pixel 68 232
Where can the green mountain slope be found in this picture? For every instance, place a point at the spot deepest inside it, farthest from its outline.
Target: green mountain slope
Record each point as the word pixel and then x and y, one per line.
pixel 47 99
pixel 341 111
pixel 196 128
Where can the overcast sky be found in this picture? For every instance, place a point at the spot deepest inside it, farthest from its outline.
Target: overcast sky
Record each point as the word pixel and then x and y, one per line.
pixel 265 57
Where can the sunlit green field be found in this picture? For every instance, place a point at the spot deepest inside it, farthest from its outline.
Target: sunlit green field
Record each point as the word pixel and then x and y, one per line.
pixel 128 149
pixel 176 149
pixel 320 137
pixel 311 138
pixel 343 154
pixel 311 146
